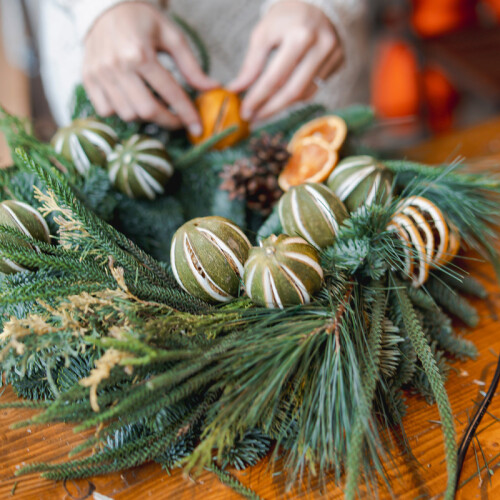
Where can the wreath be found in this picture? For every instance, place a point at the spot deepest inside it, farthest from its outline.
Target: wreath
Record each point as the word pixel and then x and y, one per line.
pixel 205 307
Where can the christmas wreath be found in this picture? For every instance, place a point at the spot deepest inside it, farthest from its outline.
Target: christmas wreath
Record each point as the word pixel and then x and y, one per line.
pixel 205 307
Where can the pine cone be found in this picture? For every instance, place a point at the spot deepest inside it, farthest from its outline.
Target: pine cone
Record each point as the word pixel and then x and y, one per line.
pixel 255 179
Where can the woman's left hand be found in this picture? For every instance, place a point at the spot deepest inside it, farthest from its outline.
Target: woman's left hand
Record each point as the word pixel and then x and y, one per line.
pixel 307 51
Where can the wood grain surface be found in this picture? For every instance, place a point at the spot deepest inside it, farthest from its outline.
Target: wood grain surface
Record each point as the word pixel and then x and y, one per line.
pixel 424 476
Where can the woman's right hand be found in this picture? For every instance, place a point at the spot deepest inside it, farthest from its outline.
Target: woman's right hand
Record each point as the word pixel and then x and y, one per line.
pixel 120 61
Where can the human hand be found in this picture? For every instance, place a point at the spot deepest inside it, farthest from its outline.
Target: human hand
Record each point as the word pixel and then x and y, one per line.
pixel 307 48
pixel 120 61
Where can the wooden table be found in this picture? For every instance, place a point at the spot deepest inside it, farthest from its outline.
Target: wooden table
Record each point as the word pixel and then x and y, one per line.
pixel 428 479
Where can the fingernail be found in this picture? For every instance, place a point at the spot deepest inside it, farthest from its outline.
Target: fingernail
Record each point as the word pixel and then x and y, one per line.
pixel 195 129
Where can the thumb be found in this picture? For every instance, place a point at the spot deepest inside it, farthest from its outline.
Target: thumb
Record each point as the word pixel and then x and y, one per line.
pixel 171 40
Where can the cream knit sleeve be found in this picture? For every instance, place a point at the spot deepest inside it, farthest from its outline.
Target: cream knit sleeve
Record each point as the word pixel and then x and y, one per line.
pixel 350 18
pixel 84 13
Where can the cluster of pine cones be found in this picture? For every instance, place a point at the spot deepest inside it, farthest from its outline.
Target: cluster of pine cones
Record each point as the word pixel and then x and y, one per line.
pixel 255 179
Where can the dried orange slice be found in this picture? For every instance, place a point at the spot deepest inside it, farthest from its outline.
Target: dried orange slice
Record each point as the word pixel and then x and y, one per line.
pixel 219 109
pixel 331 129
pixel 420 275
pixel 312 161
pixel 403 235
pixel 454 243
pixel 424 229
pixel 438 224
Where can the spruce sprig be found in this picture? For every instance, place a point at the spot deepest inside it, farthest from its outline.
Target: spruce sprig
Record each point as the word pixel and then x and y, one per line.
pixel 109 243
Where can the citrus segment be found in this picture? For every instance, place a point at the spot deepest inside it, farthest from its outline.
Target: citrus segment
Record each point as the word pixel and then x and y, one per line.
pixel 219 110
pixel 453 244
pixel 331 129
pixel 436 220
pixel 418 249
pixel 402 234
pixel 312 161
pixel 424 229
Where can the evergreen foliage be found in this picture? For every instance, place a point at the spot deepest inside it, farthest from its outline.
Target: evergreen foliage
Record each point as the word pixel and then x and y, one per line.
pixel 102 335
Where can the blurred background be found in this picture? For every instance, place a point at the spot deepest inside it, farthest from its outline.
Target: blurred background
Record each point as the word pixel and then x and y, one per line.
pixel 435 66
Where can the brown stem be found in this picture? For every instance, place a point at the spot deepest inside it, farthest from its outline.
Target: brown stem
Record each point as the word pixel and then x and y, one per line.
pixel 334 328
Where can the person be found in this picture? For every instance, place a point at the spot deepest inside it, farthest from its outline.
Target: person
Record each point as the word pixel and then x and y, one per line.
pixel 14 91
pixel 296 49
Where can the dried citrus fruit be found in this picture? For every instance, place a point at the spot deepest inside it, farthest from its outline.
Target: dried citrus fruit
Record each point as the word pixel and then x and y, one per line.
pixel 219 109
pixel 425 230
pixel 421 273
pixel 313 212
pixel 283 271
pixel 403 236
pixel 453 243
pixel 312 161
pixel 331 129
pixel 437 222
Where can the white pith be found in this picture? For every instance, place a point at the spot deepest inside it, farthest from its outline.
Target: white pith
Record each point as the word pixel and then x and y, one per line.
pixel 205 281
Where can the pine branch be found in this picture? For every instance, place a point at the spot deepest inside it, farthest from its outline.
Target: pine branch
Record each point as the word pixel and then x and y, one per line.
pixel 363 414
pixel 419 342
pixel 470 201
pixel 196 152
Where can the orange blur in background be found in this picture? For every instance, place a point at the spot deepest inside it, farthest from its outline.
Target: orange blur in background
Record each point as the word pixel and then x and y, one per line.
pixel 407 83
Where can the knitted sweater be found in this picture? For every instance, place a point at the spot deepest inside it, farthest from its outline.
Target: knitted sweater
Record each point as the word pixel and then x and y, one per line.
pixel 224 25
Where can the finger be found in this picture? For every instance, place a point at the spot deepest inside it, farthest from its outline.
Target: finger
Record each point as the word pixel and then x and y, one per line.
pixel 144 103
pixel 117 98
pixel 177 46
pixel 253 64
pixel 332 64
pixel 329 67
pixel 309 92
pixel 97 97
pixel 277 72
pixel 295 88
pixel 172 93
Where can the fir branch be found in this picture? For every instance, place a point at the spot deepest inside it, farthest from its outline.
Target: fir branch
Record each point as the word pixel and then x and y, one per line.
pixel 452 301
pixel 48 289
pixel 293 120
pixel 463 283
pixel 420 298
pixel 358 117
pixel 438 327
pixel 272 225
pixel 83 108
pixel 247 450
pixel 419 342
pixel 78 267
pixel 233 483
pixel 111 243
